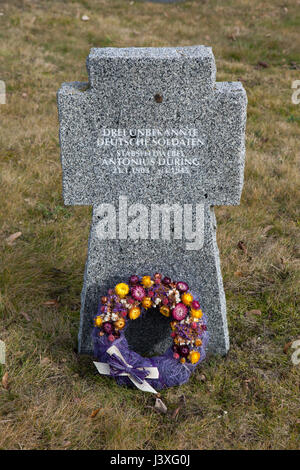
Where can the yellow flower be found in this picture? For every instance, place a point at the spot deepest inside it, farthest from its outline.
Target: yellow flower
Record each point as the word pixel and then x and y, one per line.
pixel 182 360
pixel 98 321
pixel 194 357
pixel 146 302
pixel 187 298
pixel 173 325
pixel 122 289
pixel 146 281
pixel 196 313
pixel 165 310
pixel 134 313
pixel 198 342
pixel 120 323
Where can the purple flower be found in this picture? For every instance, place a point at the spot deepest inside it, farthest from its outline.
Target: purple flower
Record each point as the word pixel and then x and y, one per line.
pixel 107 327
pixel 182 286
pixel 133 280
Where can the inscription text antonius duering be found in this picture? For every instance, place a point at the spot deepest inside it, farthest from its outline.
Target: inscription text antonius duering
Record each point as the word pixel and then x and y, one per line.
pixel 142 150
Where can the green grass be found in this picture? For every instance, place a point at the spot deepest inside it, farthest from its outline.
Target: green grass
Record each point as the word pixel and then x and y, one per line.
pixel 53 391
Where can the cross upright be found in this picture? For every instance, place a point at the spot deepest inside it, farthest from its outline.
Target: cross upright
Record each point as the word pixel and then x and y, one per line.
pixel 152 127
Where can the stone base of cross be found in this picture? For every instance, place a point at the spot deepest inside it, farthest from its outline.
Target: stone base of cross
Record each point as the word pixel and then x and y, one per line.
pixel 112 261
pixel 153 142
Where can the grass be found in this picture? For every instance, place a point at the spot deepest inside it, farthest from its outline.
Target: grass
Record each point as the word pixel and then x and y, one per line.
pixel 51 390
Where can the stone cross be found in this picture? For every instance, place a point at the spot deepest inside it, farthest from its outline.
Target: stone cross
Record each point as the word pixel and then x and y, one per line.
pixel 153 142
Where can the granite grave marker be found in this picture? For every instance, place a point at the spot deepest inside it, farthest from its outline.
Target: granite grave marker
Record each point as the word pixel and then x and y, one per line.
pixel 153 142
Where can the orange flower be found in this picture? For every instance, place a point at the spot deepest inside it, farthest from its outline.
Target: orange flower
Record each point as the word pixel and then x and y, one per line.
pixel 165 310
pixel 146 302
pixel 147 281
pixel 122 289
pixel 196 313
pixel 187 298
pixel 120 323
pixel 134 313
pixel 98 321
pixel 194 357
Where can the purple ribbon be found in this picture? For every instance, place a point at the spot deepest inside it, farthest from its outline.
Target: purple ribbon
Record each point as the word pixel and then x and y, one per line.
pixel 117 367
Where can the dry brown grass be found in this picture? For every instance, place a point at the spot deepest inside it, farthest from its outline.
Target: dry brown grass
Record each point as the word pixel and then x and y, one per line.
pixel 52 391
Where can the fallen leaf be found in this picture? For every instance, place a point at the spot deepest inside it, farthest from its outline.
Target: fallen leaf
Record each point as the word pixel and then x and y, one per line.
pixel 160 406
pixel 202 378
pixel 26 316
pixel 66 443
pixel 5 381
pixel 238 274
pixel 175 413
pixel 182 399
pixel 253 312
pixel 270 279
pixel 267 229
pixel 234 34
pixel 51 303
pixel 45 361
pixel 12 238
pixel 262 64
pixel 95 412
pixel 241 245
pixel 287 347
pixel 247 382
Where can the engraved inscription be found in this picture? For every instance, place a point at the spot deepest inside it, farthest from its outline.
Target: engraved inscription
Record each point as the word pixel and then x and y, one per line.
pixel 142 150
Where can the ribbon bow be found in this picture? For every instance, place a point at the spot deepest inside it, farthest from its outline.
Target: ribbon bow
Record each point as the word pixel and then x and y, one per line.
pixel 117 366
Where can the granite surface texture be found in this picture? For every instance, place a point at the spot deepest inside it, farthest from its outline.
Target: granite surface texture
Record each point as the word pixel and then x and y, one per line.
pixel 122 91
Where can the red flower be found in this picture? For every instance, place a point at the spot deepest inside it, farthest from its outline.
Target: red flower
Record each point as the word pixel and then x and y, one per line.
pixel 138 292
pixel 179 312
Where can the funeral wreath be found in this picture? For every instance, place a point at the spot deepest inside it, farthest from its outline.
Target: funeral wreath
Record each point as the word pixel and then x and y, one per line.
pixel 128 301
